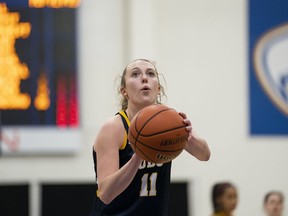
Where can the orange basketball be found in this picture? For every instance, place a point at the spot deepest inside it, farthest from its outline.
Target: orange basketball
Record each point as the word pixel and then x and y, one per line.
pixel 157 134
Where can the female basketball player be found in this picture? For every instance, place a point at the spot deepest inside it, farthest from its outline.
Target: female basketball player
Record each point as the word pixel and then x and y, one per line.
pixel 224 199
pixel 127 185
pixel 273 203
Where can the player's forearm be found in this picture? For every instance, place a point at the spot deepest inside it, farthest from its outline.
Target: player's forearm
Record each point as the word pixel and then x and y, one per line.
pixel 113 185
pixel 199 148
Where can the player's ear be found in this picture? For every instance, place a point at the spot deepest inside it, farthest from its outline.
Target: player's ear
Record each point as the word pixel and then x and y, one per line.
pixel 124 92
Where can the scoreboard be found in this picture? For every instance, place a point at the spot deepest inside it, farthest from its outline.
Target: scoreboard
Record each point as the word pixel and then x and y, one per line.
pixel 42 3
pixel 38 75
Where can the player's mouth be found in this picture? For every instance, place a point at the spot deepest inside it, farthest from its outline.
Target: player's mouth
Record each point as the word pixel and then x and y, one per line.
pixel 145 89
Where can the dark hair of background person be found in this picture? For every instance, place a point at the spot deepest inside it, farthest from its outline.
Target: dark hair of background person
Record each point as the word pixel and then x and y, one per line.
pixel 217 191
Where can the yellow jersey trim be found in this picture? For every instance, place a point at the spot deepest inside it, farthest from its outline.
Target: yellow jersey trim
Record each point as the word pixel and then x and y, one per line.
pixel 125 134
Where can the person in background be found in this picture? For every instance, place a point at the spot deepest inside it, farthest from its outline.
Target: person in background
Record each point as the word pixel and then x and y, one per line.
pixel 126 185
pixel 224 199
pixel 273 203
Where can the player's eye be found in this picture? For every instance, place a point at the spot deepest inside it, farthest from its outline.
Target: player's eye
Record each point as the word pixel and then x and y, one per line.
pixel 135 74
pixel 151 73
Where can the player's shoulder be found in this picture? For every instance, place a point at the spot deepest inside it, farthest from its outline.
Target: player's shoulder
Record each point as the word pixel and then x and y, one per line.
pixel 110 131
pixel 112 123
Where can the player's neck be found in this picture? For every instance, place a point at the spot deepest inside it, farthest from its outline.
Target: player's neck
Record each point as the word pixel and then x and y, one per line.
pixel 132 111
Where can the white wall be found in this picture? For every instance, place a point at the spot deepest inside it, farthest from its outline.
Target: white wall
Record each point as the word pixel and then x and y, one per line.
pixel 201 48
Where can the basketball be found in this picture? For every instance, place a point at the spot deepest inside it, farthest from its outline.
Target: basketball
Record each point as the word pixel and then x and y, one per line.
pixel 157 134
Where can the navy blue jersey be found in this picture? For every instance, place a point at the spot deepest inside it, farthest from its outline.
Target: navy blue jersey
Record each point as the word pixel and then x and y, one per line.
pixel 147 194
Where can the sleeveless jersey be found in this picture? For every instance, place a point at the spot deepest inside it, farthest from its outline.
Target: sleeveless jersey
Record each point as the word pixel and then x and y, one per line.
pixel 147 194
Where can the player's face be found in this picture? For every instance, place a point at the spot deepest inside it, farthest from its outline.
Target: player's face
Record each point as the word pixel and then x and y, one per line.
pixel 274 205
pixel 229 200
pixel 142 84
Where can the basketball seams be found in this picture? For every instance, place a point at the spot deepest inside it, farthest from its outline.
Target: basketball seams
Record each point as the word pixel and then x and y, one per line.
pixel 161 132
pixel 147 121
pixel 137 135
pixel 153 148
pixel 160 143
pixel 146 156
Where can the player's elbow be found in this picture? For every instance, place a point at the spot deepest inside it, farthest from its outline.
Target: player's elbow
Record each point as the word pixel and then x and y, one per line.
pixel 104 197
pixel 205 156
pixel 202 155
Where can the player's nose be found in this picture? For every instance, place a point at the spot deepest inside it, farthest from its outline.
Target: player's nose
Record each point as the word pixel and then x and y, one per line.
pixel 144 78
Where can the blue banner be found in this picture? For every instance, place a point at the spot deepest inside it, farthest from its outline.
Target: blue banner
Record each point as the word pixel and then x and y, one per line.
pixel 268 67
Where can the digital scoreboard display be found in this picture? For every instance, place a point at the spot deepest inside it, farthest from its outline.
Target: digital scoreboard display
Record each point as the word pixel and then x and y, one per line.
pixel 38 77
pixel 38 63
